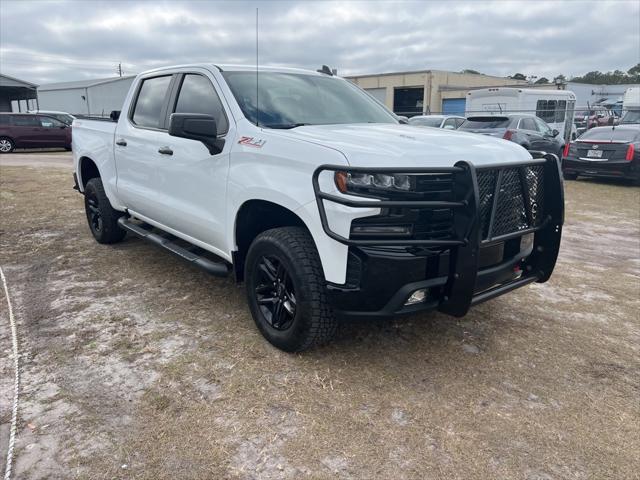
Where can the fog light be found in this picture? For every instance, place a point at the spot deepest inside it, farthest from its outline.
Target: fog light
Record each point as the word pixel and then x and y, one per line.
pixel 418 296
pixel 526 242
pixel 381 229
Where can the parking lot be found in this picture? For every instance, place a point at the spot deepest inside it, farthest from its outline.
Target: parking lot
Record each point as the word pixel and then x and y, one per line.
pixel 136 365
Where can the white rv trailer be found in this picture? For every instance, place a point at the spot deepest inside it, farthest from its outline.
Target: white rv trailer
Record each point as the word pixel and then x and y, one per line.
pixel 631 99
pixel 553 106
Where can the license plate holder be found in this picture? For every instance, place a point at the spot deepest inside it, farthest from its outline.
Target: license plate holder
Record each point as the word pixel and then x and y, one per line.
pixel 594 153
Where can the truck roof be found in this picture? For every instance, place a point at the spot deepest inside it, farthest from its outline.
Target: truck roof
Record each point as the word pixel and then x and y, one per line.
pixel 237 68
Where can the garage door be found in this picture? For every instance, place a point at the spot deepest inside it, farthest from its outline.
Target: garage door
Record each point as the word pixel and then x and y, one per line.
pixel 453 106
pixel 379 94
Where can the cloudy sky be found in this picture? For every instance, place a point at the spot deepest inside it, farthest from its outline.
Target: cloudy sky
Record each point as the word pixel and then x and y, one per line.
pixel 47 41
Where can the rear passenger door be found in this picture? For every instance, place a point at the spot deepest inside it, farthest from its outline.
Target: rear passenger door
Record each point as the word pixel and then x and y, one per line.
pixel 138 137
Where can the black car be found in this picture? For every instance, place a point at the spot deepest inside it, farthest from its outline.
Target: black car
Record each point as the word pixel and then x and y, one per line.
pixel 527 130
pixel 604 152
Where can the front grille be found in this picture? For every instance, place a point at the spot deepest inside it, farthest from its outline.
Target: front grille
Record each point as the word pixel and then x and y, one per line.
pixel 520 197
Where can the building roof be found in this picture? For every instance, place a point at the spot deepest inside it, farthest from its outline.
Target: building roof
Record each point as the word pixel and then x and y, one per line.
pixel 81 83
pixel 7 81
pixel 413 72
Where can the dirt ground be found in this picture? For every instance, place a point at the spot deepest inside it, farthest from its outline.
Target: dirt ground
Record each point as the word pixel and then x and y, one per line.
pixel 135 365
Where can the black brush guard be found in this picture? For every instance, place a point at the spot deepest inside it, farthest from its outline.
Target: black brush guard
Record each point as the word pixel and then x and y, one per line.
pixel 469 235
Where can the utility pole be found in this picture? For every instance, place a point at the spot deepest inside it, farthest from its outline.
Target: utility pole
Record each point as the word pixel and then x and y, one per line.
pixel 119 70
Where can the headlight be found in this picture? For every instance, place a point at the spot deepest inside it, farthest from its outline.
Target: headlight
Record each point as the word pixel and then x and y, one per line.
pixel 348 182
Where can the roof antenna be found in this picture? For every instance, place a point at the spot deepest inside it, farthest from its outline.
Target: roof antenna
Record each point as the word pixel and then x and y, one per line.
pixel 257 94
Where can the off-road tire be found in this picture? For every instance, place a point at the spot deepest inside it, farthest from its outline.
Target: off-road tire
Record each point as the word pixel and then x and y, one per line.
pixel 7 142
pixel 313 322
pixel 106 230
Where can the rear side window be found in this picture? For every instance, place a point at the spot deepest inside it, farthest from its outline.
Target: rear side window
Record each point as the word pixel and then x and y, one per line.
pixel 25 121
pixel 151 99
pixel 197 95
pixel 4 119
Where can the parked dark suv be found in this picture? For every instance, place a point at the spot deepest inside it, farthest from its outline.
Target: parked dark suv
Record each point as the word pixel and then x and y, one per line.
pixel 527 130
pixel 27 130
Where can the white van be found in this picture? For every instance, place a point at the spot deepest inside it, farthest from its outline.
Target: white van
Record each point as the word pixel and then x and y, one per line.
pixel 553 106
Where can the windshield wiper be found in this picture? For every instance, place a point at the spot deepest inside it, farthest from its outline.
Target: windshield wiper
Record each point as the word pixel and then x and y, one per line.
pixel 286 126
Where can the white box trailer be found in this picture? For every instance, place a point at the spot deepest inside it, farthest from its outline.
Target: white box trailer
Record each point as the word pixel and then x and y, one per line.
pixel 553 106
pixel 631 99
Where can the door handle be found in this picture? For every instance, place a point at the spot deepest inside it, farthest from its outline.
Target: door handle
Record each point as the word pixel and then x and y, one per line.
pixel 121 142
pixel 165 151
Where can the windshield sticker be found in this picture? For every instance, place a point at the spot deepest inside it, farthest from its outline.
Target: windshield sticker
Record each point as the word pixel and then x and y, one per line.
pixel 252 142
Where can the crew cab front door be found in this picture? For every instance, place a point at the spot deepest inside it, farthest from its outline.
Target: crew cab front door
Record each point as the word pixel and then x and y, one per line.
pixel 174 181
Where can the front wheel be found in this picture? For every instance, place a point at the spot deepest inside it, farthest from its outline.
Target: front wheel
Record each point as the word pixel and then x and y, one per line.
pixel 286 290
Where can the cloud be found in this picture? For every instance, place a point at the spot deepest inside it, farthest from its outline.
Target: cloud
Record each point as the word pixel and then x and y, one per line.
pixel 68 40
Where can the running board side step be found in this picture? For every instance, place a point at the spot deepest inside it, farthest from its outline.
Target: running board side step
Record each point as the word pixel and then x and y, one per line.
pixel 218 269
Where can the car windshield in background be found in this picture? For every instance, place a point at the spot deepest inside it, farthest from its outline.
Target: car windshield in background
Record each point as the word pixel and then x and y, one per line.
pixel 288 100
pixel 611 134
pixel 425 122
pixel 485 122
pixel 631 117
pixel 68 119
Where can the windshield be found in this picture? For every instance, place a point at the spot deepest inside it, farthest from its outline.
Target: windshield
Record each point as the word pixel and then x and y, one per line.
pixel 64 118
pixel 611 134
pixel 632 116
pixel 425 122
pixel 288 100
pixel 484 122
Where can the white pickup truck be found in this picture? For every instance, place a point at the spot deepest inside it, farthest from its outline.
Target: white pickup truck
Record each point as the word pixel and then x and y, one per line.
pixel 317 197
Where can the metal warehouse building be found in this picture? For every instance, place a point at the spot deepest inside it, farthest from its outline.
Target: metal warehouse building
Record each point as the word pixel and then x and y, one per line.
pixel 85 97
pixel 428 91
pixel 17 95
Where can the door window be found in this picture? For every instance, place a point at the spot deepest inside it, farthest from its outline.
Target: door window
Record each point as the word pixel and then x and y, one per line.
pixel 151 99
pixel 543 127
pixel 528 124
pixel 197 95
pixel 49 122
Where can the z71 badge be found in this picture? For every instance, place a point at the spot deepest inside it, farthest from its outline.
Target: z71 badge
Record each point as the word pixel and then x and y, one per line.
pixel 252 142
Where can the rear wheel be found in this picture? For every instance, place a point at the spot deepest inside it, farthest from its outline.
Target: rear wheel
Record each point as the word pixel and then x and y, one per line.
pixel 102 218
pixel 286 290
pixel 6 145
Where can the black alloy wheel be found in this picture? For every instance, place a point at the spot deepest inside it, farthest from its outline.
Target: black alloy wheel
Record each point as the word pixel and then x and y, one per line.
pixel 275 293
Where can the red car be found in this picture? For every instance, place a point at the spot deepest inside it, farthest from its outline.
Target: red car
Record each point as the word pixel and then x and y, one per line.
pixel 28 130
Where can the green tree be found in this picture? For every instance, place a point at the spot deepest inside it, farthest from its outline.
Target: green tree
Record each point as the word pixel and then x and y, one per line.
pixel 468 70
pixel 518 76
pixel 542 80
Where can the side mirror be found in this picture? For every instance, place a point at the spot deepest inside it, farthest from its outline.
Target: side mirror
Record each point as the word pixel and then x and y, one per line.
pixel 114 115
pixel 555 132
pixel 196 126
pixel 403 120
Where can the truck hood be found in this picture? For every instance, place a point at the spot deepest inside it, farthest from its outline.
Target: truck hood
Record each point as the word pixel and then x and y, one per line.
pixel 378 145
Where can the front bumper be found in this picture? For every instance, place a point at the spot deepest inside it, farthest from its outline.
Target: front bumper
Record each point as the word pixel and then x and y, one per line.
pixel 472 266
